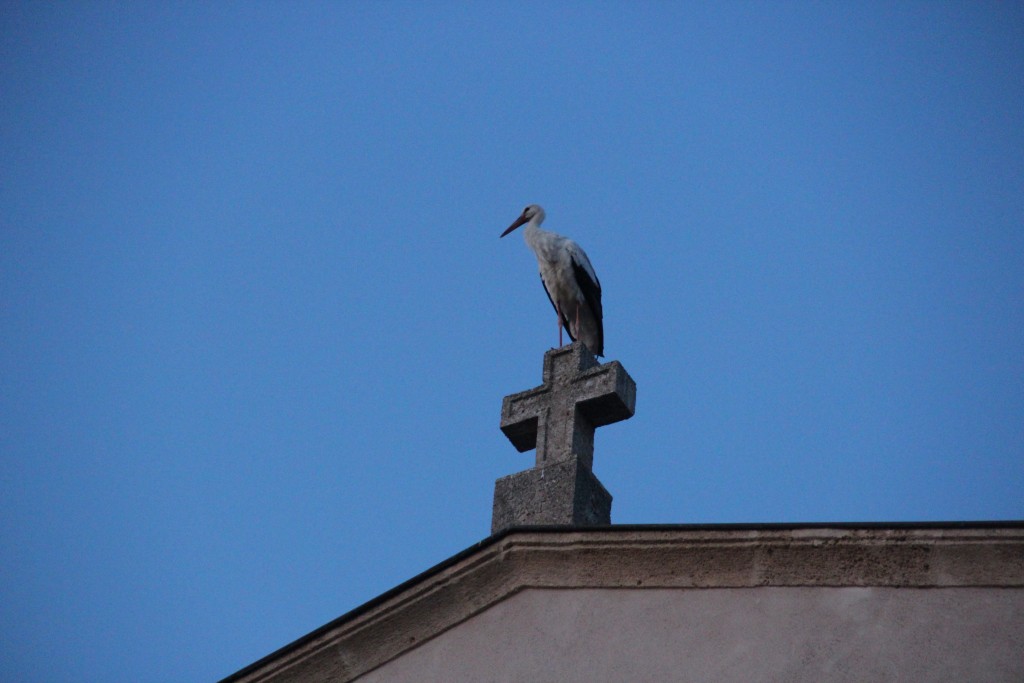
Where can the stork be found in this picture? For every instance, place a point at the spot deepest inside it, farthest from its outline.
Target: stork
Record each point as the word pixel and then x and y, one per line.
pixel 569 280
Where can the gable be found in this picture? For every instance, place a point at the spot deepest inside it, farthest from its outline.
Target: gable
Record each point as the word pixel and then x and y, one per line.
pixel 759 580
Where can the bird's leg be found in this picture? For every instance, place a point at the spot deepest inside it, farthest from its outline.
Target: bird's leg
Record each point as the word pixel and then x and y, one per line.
pixel 558 312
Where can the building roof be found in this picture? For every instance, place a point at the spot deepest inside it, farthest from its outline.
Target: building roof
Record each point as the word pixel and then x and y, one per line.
pixel 681 556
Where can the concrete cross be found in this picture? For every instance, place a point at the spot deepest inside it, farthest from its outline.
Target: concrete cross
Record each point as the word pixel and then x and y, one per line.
pixel 558 418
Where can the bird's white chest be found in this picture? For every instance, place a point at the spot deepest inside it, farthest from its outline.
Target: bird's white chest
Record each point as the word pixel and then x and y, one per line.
pixel 554 260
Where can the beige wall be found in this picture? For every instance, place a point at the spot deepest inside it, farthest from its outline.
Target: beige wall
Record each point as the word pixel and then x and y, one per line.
pixel 746 634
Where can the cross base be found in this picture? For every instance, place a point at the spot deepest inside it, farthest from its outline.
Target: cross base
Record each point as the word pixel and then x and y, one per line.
pixel 565 492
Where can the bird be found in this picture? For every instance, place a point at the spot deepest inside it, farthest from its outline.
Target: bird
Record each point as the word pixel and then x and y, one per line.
pixel 569 280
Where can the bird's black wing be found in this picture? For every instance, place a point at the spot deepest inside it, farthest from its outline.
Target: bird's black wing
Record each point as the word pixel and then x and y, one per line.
pixel 591 288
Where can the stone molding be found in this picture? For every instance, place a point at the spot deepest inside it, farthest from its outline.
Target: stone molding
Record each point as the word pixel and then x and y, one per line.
pixel 645 557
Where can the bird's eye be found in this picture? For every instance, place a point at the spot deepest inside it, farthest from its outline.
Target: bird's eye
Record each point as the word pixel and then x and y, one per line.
pixel 526 209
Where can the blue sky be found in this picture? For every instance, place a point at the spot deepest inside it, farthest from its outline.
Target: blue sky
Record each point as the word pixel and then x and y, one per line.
pixel 256 321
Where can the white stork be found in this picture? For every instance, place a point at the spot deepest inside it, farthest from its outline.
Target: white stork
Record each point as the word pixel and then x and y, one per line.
pixel 568 278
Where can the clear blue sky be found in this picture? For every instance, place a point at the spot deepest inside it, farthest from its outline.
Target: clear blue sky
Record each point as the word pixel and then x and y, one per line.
pixel 256 321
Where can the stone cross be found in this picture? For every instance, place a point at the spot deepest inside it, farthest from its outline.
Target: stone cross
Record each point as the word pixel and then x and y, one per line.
pixel 558 418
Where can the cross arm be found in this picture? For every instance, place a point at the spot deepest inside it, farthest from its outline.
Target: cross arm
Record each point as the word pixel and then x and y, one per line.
pixel 613 391
pixel 519 417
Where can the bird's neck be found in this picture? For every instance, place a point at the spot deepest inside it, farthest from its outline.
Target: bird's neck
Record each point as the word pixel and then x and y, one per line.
pixel 532 233
pixel 535 239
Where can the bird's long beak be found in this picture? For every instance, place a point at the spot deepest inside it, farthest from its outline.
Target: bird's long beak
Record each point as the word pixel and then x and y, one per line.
pixel 519 221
